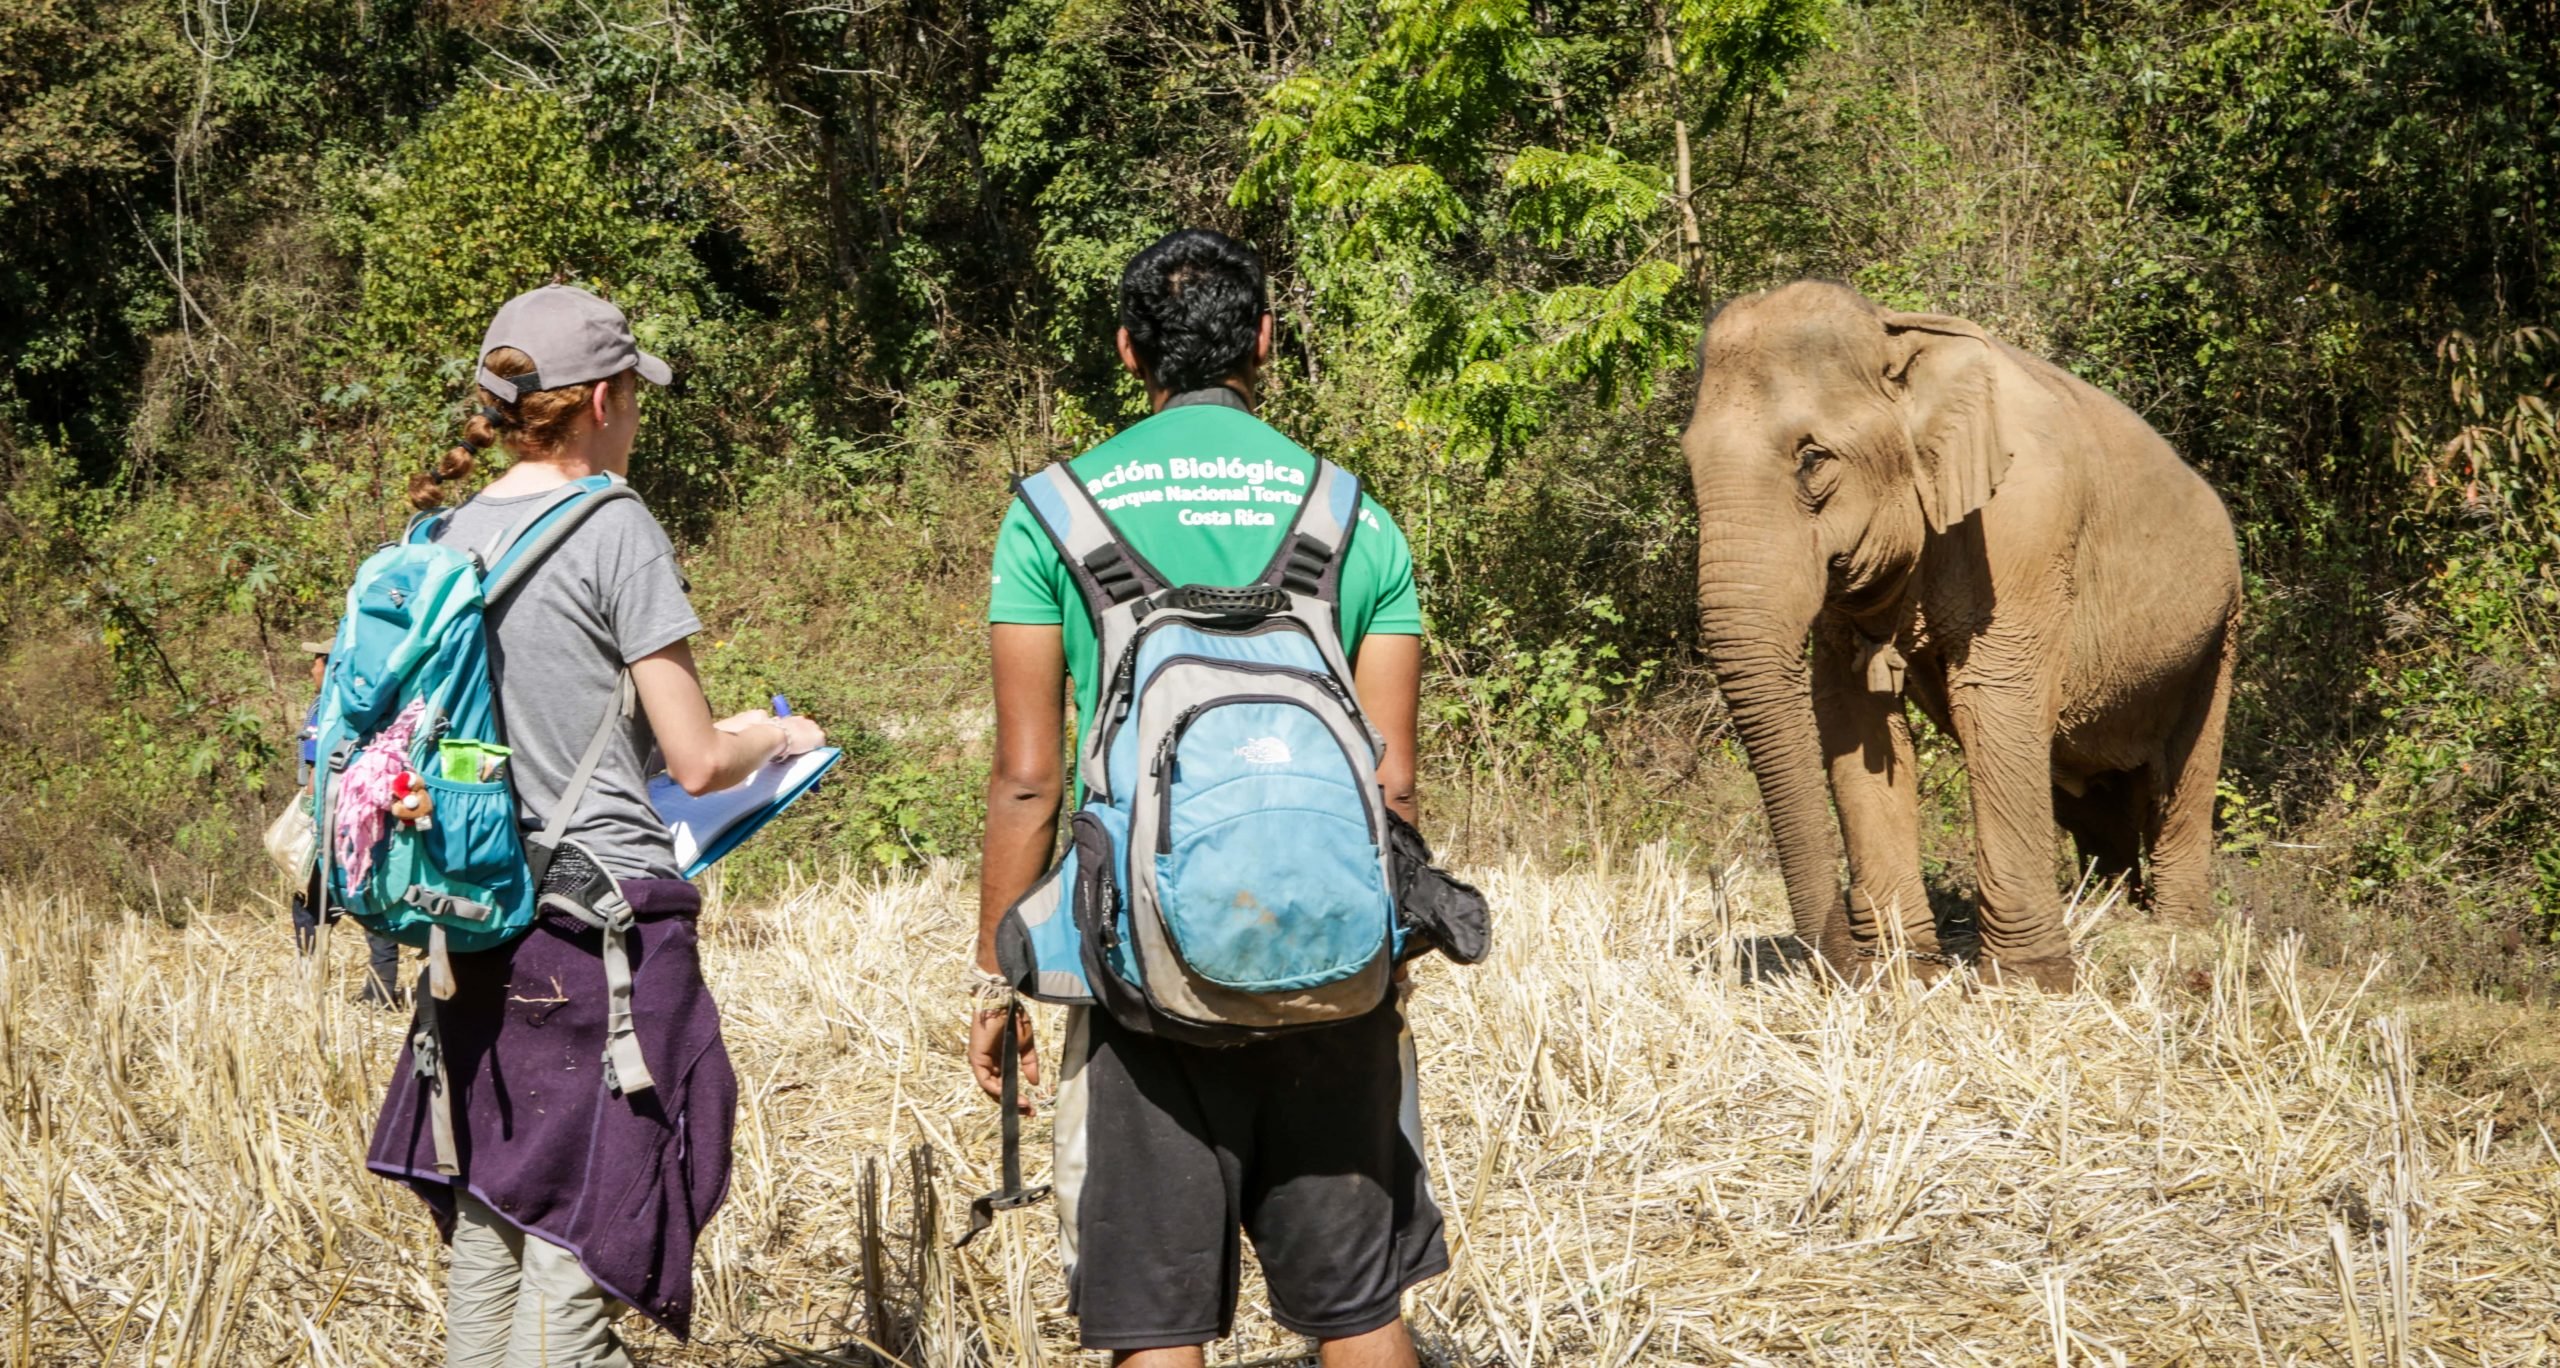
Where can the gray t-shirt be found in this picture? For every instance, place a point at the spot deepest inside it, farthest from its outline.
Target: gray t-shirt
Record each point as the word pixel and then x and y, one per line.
pixel 602 599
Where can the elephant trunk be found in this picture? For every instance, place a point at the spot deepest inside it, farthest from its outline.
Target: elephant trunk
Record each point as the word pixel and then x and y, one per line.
pixel 1758 590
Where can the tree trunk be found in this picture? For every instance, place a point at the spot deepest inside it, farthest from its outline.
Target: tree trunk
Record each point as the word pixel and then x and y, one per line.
pixel 1693 248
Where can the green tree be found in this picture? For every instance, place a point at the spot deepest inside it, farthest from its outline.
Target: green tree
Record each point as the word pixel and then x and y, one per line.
pixel 501 191
pixel 1499 177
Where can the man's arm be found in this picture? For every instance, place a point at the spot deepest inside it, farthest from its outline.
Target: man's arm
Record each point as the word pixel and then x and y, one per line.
pixel 1027 779
pixel 1024 785
pixel 1388 675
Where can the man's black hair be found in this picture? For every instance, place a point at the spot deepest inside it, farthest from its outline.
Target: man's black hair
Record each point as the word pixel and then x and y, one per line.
pixel 1193 305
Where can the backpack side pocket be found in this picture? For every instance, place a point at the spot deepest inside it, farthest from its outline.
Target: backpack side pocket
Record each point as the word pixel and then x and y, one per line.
pixel 1040 942
pixel 471 858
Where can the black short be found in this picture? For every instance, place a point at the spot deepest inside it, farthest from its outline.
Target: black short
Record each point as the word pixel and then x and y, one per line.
pixel 1311 1143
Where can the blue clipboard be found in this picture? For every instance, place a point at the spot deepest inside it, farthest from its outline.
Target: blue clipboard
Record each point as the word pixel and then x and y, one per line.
pixel 768 792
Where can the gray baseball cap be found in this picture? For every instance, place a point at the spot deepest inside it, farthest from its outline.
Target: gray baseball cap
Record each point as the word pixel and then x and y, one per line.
pixel 573 337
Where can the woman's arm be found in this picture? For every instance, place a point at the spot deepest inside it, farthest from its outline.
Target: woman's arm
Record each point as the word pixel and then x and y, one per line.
pixel 704 756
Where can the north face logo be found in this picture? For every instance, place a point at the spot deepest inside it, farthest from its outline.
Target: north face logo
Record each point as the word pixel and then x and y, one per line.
pixel 1264 750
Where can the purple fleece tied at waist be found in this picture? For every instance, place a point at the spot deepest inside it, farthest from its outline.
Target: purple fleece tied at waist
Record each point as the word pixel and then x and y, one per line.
pixel 624 1183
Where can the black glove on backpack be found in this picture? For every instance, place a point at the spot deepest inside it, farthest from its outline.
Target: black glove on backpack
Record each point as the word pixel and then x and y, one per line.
pixel 1438 910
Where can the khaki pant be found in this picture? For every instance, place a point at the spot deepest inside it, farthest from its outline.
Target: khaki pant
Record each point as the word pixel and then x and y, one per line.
pixel 516 1300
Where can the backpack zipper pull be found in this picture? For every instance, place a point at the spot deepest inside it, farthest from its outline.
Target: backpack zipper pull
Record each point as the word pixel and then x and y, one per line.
pixel 1172 734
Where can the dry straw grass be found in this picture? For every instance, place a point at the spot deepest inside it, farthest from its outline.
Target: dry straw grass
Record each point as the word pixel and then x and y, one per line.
pixel 2211 1157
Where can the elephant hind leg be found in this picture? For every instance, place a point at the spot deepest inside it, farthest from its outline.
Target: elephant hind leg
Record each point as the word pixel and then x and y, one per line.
pixel 2181 832
pixel 2109 820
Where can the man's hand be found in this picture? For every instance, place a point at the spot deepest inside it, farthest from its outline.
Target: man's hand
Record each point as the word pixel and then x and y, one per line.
pixel 986 1042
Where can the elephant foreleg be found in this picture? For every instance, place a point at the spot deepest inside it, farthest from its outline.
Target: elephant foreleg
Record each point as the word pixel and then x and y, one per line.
pixel 1866 743
pixel 2003 704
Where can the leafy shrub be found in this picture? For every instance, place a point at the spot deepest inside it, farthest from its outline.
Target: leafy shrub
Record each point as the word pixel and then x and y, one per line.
pixel 912 812
pixel 500 191
pixel 1520 705
pixel 2460 797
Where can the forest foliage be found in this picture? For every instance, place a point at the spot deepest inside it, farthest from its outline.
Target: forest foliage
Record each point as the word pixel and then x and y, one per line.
pixel 251 244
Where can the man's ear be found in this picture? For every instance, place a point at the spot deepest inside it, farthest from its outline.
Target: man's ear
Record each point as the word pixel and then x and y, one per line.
pixel 1970 409
pixel 596 402
pixel 1129 359
pixel 1262 341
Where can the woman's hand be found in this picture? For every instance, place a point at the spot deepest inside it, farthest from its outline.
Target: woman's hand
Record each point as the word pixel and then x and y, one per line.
pixel 803 735
pixel 799 734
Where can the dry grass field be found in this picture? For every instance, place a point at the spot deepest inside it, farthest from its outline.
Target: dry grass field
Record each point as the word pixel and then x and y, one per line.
pixel 1649 1151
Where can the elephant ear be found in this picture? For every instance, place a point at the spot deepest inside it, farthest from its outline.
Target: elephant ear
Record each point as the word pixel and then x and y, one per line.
pixel 1971 410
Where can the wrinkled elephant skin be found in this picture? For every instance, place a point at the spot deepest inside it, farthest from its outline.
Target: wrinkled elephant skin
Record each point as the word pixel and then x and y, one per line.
pixel 1961 524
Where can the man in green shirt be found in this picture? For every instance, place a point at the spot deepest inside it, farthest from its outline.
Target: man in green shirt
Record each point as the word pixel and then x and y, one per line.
pixel 1309 1142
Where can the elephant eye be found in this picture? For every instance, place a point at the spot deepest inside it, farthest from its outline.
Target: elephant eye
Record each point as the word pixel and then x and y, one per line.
pixel 1817 473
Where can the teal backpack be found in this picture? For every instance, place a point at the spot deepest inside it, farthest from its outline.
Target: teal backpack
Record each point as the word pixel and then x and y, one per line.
pixel 408 686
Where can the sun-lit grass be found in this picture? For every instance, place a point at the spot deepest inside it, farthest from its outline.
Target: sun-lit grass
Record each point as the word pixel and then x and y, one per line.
pixel 1649 1152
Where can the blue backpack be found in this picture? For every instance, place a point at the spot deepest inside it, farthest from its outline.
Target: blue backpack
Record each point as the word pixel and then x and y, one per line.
pixel 409 673
pixel 1229 875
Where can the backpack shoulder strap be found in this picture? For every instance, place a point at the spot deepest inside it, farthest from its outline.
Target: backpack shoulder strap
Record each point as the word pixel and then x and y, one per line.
pixel 1107 570
pixel 1113 578
pixel 495 554
pixel 1310 557
pixel 1308 568
pixel 515 558
pixel 541 532
pixel 422 526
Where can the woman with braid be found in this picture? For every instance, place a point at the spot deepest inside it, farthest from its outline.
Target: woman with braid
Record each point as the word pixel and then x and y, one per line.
pixel 572 1201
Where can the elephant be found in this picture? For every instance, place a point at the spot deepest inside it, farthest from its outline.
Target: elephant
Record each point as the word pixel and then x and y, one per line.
pixel 1953 521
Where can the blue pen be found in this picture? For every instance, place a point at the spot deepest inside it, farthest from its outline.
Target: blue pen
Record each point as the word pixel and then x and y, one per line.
pixel 781 706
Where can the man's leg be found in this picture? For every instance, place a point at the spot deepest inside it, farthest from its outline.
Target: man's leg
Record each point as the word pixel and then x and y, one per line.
pixel 480 1290
pixel 306 924
pixel 1335 1194
pixel 1156 1249
pixel 1388 1346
